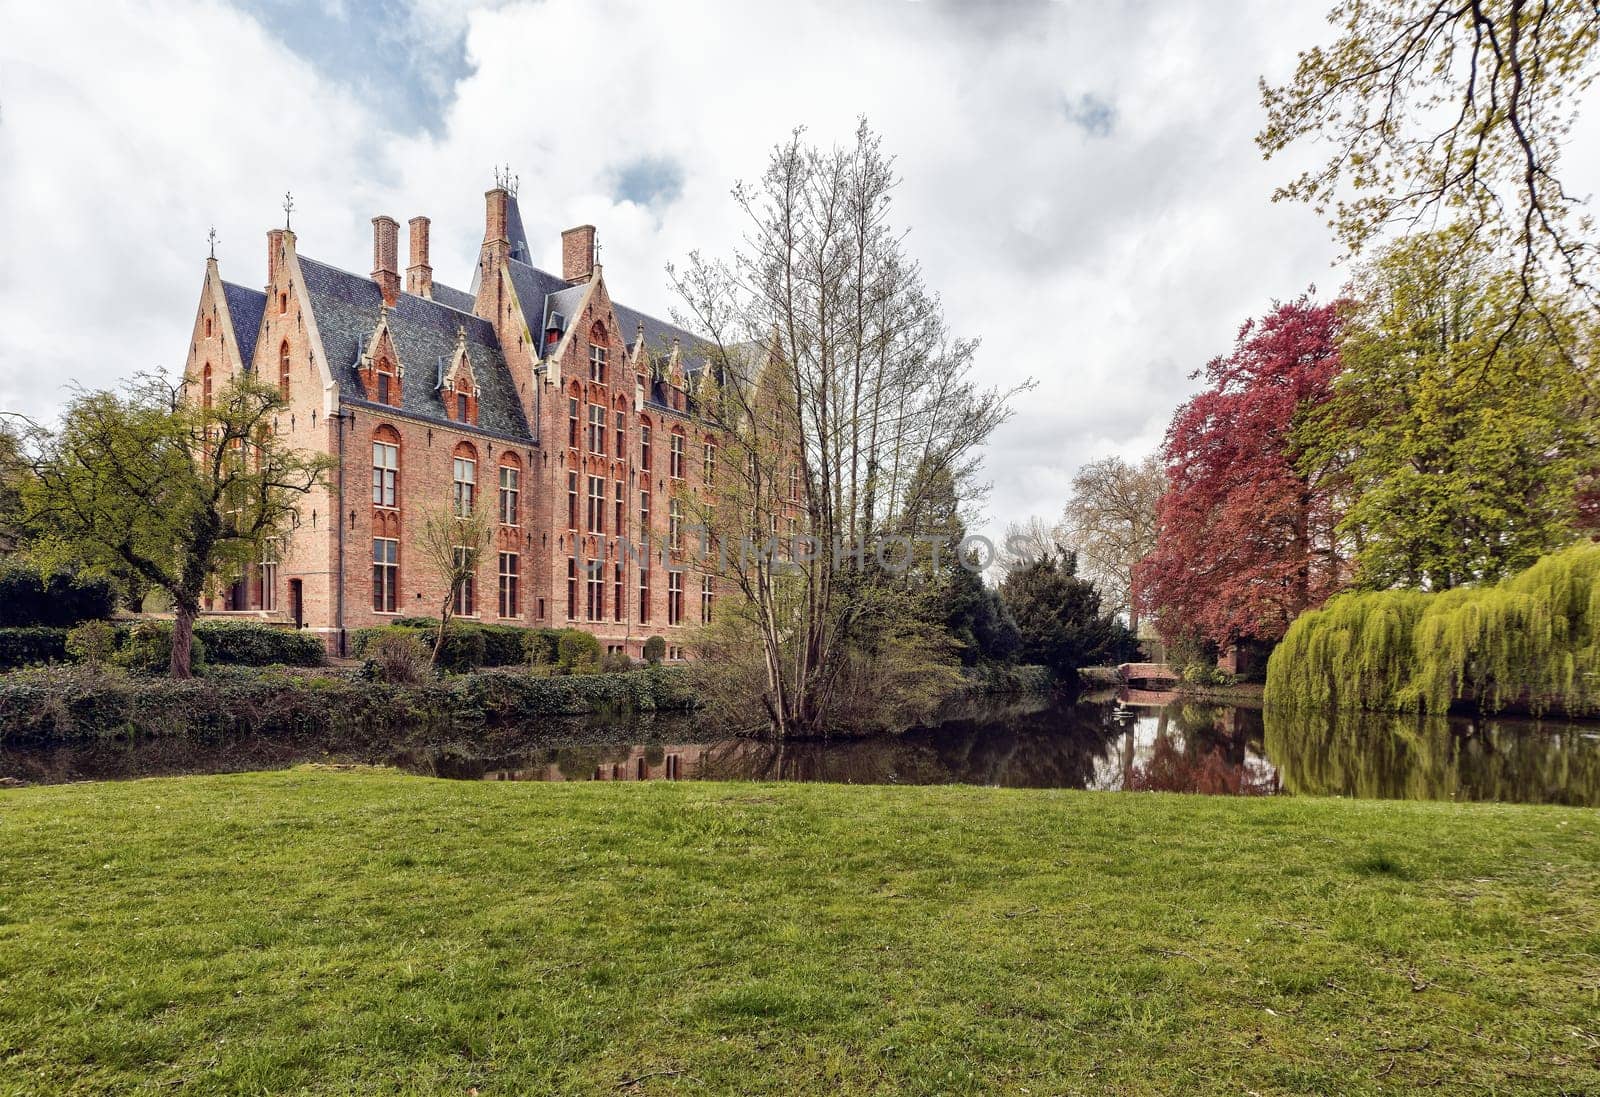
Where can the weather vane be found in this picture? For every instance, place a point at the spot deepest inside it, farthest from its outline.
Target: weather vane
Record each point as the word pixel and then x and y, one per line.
pixel 503 178
pixel 211 238
pixel 288 207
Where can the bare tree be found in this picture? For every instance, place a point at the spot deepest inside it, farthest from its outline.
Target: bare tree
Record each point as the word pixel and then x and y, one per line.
pixel 452 541
pixel 1110 522
pixel 835 379
pixel 1448 111
pixel 1027 541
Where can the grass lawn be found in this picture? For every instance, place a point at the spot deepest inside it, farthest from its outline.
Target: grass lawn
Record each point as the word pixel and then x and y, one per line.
pixel 327 932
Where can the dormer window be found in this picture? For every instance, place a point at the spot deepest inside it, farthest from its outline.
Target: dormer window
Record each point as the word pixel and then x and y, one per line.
pixel 461 406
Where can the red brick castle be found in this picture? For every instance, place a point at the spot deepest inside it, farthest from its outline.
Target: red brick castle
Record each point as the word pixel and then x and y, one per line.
pixel 533 394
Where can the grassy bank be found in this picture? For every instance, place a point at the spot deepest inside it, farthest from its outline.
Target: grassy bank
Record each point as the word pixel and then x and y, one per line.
pixel 352 932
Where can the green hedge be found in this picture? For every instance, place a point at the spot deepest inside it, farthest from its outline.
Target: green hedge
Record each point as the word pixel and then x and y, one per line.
pixel 471 645
pixel 67 703
pixel 245 643
pixel 21 647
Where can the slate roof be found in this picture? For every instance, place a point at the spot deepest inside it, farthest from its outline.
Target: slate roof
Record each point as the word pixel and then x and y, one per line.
pixel 246 307
pixel 347 308
pixel 460 300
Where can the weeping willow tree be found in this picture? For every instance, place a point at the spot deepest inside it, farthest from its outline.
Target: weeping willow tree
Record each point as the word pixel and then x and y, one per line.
pixel 1532 639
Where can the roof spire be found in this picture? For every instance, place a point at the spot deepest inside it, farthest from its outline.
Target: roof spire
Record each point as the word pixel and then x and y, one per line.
pixel 211 238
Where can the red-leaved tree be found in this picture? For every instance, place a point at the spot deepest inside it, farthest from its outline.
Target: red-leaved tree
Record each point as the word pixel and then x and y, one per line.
pixel 1245 539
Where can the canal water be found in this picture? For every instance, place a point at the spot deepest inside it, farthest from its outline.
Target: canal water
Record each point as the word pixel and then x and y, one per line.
pixel 1097 742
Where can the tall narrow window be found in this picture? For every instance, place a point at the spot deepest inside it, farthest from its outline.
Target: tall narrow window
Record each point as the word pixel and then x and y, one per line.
pixel 269 585
pixel 674 525
pixel 794 483
pixel 572 589
pixel 674 597
pixel 644 446
pixel 597 364
pixel 644 595
pixel 620 527
pixel 708 596
pixel 383 388
pixel 467 592
pixel 572 500
pixel 618 602
pixel 597 505
pixel 675 464
pixel 462 407
pixel 572 422
pixel 622 435
pixel 644 516
pixel 205 386
pixel 283 369
pixel 385 574
pixel 597 429
pixel 465 485
pixel 510 494
pixel 510 575
pixel 385 473
pixel 709 458
pixel 595 606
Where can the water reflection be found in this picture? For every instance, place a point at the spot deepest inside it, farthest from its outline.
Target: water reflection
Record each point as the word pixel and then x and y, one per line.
pixel 1134 742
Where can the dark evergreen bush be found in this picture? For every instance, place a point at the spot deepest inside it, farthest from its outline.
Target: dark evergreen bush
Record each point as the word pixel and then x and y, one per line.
pixel 21 647
pixel 655 649
pixel 577 651
pixel 62 599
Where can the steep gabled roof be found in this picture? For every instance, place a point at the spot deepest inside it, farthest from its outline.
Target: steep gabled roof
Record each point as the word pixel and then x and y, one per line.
pixel 460 300
pixel 246 307
pixel 347 308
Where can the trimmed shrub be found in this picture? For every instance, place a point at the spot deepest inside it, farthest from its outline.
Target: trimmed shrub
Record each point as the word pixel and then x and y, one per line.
pixel 615 662
pixel 503 645
pixel 655 650
pixel 577 651
pixel 148 648
pixel 247 643
pixel 30 598
pixel 93 642
pixel 362 639
pixel 463 648
pixel 21 647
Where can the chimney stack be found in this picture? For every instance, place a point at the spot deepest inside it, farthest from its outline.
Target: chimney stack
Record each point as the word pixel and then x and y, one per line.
pixel 419 275
pixel 577 253
pixel 496 204
pixel 386 257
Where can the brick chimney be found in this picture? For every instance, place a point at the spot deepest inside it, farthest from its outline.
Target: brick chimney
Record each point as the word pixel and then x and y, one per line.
pixel 577 253
pixel 419 275
pixel 386 257
pixel 496 205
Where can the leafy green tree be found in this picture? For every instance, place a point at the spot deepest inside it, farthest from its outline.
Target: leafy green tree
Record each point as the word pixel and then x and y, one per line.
pixel 12 474
pixel 180 494
pixel 1059 618
pixel 1458 447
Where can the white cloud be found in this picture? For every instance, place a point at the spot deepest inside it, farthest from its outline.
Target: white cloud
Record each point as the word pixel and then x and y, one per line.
pixel 1079 179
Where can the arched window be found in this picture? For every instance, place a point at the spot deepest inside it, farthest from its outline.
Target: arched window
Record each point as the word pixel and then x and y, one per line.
pixel 205 386
pixel 385 467
pixel 597 353
pixel 510 490
pixel 283 369
pixel 464 479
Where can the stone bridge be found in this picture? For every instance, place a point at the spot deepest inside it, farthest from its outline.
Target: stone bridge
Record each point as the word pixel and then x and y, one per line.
pixel 1147 673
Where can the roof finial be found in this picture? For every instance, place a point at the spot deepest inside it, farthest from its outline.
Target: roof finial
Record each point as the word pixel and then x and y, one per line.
pixel 597 249
pixel 288 207
pixel 211 238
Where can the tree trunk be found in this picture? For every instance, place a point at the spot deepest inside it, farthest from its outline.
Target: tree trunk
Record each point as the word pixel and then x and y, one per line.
pixel 182 661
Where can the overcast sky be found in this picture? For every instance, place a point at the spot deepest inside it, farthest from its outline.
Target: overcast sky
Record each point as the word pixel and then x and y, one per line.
pixel 1080 180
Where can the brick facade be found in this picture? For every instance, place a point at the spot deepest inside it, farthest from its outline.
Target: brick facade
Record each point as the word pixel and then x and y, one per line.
pixel 366 362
